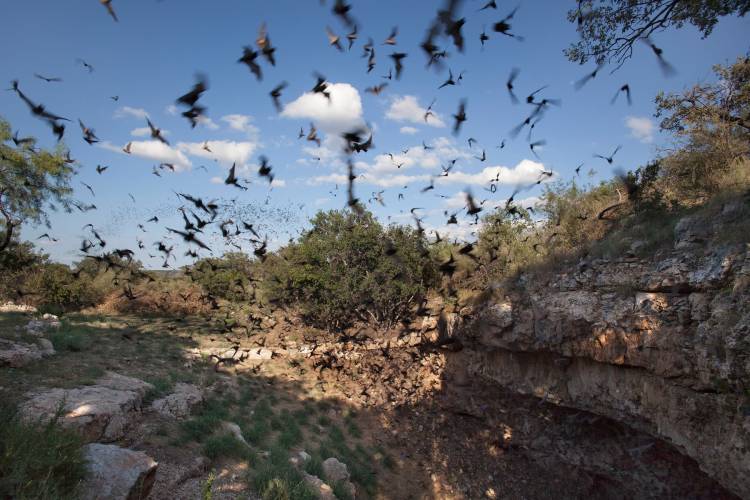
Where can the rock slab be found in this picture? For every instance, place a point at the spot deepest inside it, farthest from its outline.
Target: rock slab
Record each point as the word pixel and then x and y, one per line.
pixel 116 473
pixel 99 412
pixel 180 402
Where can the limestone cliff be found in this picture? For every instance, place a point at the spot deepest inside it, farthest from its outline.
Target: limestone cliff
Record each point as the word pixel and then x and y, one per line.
pixel 662 344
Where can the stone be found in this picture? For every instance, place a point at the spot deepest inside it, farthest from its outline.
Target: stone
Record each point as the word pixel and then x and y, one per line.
pixel 17 354
pixel 180 403
pixel 100 412
pixel 46 347
pixel 337 472
pixel 234 430
pixel 10 307
pixel 323 491
pixel 116 473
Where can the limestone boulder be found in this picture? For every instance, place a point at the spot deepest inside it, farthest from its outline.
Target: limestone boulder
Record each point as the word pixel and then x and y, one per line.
pixel 100 412
pixel 116 473
pixel 180 403
pixel 18 354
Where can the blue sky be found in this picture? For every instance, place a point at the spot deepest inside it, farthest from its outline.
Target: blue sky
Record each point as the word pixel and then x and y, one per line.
pixel 150 58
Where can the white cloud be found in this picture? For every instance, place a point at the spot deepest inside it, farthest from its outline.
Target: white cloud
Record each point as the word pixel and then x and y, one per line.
pixel 328 179
pixel 407 109
pixel 278 183
pixel 141 132
pixel 154 150
pixel 321 201
pixel 172 110
pixel 207 122
pixel 524 173
pixel 241 123
pixel 641 127
pixel 392 180
pixel 225 152
pixel 125 111
pixel 408 130
pixel 217 180
pixel 342 113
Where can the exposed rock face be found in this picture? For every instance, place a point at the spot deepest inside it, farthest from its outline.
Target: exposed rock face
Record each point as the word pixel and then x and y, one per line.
pixel 180 402
pixel 18 354
pixel 116 473
pixel 100 412
pixel 662 345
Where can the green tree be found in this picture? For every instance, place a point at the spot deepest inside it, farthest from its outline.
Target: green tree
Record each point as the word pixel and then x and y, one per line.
pixel 608 29
pixel 32 181
pixel 710 123
pixel 348 267
pixel 227 277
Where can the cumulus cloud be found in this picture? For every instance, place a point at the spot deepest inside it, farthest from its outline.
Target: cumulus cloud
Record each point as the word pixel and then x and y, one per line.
pixel 342 113
pixel 127 111
pixel 154 150
pixel 407 109
pixel 207 122
pixel 408 130
pixel 225 152
pixel 641 127
pixel 278 183
pixel 241 123
pixel 524 173
pixel 142 132
pixel 328 179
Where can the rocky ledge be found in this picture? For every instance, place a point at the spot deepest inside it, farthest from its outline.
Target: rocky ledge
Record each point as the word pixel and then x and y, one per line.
pixel 660 344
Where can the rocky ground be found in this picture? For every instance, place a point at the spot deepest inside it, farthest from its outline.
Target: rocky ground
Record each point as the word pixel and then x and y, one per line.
pixel 174 408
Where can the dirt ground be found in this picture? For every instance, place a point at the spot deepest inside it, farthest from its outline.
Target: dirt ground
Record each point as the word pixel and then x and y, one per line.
pixel 407 427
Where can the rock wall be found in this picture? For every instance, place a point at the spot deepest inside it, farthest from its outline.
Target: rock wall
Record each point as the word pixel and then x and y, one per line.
pixel 661 344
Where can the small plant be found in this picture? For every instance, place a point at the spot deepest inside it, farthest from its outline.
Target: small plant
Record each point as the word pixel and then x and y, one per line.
pixel 207 485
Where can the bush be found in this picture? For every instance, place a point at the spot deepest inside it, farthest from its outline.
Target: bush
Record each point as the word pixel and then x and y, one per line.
pixel 227 277
pixel 38 460
pixel 348 268
pixel 224 445
pixel 57 290
pixel 18 262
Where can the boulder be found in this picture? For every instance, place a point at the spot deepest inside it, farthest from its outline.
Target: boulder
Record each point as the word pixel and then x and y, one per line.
pixel 99 412
pixel 180 402
pixel 18 354
pixel 234 430
pixel 337 472
pixel 323 491
pixel 38 326
pixel 45 347
pixel 116 473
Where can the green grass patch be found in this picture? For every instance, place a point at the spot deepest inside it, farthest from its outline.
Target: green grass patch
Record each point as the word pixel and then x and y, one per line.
pixel 224 446
pixel 206 421
pixel 38 460
pixel 70 338
pixel 276 479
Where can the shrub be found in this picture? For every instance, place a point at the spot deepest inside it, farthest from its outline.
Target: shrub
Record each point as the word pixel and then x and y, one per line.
pixel 227 277
pixel 348 268
pixel 38 460
pixel 57 290
pixel 224 445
